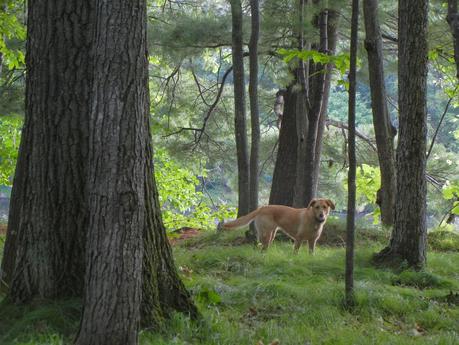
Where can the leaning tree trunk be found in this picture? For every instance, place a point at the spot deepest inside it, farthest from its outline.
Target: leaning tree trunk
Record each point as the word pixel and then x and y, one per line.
pixel 408 242
pixel 453 21
pixel 381 119
pixel 44 249
pixel 254 111
pixel 332 36
pixel 239 108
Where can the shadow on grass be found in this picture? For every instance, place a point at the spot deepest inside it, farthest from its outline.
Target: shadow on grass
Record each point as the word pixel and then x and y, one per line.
pixel 43 322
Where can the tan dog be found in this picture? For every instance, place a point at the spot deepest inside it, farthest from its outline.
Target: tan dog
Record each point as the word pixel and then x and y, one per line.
pixel 303 224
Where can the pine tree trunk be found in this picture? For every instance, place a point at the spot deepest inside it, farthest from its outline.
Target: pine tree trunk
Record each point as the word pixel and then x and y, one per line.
pixel 351 196
pixel 408 242
pixel 381 119
pixel 453 21
pixel 254 111
pixel 316 97
pixel 284 175
pixel 117 165
pixel 239 108
pixel 44 249
pixel 332 35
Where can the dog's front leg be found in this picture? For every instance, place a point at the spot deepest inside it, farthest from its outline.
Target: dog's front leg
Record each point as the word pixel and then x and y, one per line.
pixel 296 246
pixel 312 246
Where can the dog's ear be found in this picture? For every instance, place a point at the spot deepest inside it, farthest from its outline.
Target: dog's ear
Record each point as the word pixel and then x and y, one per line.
pixel 330 203
pixel 312 203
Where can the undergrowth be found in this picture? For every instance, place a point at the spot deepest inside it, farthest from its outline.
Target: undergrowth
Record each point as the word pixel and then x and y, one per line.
pixel 250 297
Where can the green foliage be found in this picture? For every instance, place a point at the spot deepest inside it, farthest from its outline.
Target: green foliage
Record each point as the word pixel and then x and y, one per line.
pixel 11 29
pixel 183 203
pixel 444 238
pixel 10 136
pixel 450 192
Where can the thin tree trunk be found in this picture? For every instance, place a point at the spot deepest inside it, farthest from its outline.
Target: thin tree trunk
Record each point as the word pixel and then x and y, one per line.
pixel 316 97
pixel 332 35
pixel 381 119
pixel 239 108
pixel 254 111
pixel 350 224
pixel 408 242
pixel 453 21
pixel 44 249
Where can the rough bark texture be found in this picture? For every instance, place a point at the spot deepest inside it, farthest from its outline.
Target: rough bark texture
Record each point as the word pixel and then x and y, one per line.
pixel 351 195
pixel 239 108
pixel 332 35
pixel 302 125
pixel 408 242
pixel 44 249
pixel 284 175
pixel 113 289
pixel 381 118
pixel 453 21
pixel 254 111
pixel 316 97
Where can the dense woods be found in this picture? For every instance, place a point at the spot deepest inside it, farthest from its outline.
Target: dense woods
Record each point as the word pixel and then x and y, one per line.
pixel 133 133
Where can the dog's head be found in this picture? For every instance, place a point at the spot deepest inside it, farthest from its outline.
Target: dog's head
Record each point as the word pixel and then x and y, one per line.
pixel 321 208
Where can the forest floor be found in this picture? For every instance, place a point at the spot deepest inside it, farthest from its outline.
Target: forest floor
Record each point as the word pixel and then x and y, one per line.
pixel 251 297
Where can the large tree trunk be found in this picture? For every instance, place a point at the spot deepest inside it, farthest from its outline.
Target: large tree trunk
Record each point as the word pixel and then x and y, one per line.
pixel 408 242
pixel 301 111
pixel 130 275
pixel 117 165
pixel 239 108
pixel 351 195
pixel 381 119
pixel 453 21
pixel 284 176
pixel 44 249
pixel 254 111
pixel 332 35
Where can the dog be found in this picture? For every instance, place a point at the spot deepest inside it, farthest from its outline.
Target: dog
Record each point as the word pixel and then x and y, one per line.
pixel 303 224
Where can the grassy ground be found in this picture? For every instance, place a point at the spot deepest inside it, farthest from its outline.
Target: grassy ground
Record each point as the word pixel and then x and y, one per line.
pixel 249 297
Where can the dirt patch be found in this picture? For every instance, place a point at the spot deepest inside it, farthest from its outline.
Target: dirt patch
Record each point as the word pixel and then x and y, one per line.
pixel 3 229
pixel 183 234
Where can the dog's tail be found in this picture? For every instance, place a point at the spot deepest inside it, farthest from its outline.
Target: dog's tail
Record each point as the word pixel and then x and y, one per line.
pixel 241 221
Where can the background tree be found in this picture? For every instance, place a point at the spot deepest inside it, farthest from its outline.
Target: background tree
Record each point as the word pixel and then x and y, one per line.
pixel 48 212
pixel 350 220
pixel 453 21
pixel 384 132
pixel 239 108
pixel 408 241
pixel 254 110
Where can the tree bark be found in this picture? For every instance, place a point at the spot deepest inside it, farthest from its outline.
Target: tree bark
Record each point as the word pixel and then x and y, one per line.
pixel 453 21
pixel 117 162
pixel 351 196
pixel 408 241
pixel 254 111
pixel 239 108
pixel 316 98
pixel 44 249
pixel 332 35
pixel 381 118
pixel 284 175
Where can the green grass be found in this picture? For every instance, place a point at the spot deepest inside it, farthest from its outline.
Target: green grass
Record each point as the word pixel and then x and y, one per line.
pixel 247 296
